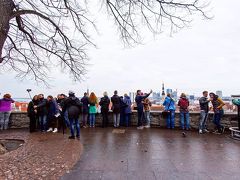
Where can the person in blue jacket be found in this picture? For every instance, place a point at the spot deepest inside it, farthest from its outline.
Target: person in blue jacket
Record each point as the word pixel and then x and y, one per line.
pixel 139 101
pixel 169 105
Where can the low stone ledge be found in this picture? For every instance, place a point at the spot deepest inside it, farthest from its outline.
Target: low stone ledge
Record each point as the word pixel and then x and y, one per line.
pixel 21 120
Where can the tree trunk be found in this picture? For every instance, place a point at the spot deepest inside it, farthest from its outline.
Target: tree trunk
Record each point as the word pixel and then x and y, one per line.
pixel 6 10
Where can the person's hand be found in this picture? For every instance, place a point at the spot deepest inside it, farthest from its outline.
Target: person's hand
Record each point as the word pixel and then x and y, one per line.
pixel 35 111
pixel 35 107
pixel 151 91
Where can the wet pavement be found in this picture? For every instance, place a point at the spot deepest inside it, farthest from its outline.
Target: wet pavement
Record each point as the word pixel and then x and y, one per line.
pixel 41 156
pixel 155 154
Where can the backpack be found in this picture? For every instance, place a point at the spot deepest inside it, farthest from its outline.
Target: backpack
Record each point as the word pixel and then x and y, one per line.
pixel 184 103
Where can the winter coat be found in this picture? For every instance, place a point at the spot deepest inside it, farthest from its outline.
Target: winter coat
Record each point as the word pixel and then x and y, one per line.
pixel 30 110
pixel 169 104
pixel 139 99
pixel 52 108
pixel 85 103
pixel 128 102
pixel 5 104
pixel 203 101
pixel 183 103
pixel 73 106
pixel 42 107
pixel 104 103
pixel 217 105
pixel 116 104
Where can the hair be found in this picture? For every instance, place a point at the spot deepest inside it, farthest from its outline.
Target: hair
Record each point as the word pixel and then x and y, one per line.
pixel 183 95
pixel 85 94
pixel 125 95
pixel 115 92
pixel 138 91
pixel 51 97
pixel 35 96
pixel 214 95
pixel 168 94
pixel 105 93
pixel 92 98
pixel 205 92
pixel 7 96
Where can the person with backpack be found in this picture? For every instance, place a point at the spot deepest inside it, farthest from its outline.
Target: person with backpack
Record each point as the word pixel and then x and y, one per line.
pixel 183 103
pixel 169 105
pixel 72 106
pixel 104 103
pixel 116 108
pixel 218 112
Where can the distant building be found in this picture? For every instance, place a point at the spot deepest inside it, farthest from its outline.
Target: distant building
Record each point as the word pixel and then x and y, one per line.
pixel 175 95
pixel 132 96
pixel 163 92
pixel 169 91
pixel 219 93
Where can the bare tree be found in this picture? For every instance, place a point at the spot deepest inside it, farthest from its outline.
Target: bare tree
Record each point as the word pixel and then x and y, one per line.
pixel 38 35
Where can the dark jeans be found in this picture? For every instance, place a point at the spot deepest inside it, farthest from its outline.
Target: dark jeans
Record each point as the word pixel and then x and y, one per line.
pixel 33 123
pixel 128 119
pixel 217 120
pixel 105 119
pixel 43 122
pixel 74 123
pixel 140 116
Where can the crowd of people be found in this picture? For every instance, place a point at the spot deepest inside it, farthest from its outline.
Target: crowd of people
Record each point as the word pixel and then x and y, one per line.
pixel 50 114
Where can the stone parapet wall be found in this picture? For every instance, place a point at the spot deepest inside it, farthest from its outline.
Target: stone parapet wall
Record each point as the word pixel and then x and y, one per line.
pixel 20 120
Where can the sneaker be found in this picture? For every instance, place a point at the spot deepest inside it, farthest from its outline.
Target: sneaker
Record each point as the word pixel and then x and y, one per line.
pixel 200 131
pixel 205 130
pixel 140 127
pixel 71 137
pixel 55 130
pixel 216 132
pixel 50 130
pixel 223 129
pixel 84 126
pixel 147 126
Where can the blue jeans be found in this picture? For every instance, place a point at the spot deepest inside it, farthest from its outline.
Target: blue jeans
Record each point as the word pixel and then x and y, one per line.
pixel 171 119
pixel 43 122
pixel 147 117
pixel 116 119
pixel 184 116
pixel 73 123
pixel 66 120
pixel 203 120
pixel 128 119
pixel 4 119
pixel 92 119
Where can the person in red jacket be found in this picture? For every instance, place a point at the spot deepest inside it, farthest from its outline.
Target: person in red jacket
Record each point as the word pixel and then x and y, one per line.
pixel 183 103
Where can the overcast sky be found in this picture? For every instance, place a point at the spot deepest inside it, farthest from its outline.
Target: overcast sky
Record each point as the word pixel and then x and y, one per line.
pixel 205 56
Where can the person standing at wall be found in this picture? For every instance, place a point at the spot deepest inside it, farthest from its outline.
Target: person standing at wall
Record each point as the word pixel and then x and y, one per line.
pixel 5 110
pixel 218 112
pixel 85 103
pixel 72 105
pixel 204 109
pixel 128 110
pixel 183 103
pixel 169 105
pixel 32 114
pixel 92 109
pixel 147 105
pixel 53 113
pixel 139 99
pixel 104 103
pixel 116 108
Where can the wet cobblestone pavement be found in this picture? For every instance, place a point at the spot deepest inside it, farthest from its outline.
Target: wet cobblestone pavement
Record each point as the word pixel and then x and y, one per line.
pixel 156 154
pixel 42 156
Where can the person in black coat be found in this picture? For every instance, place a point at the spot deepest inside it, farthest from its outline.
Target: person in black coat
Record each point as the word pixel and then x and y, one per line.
pixel 104 103
pixel 32 114
pixel 116 108
pixel 85 103
pixel 72 105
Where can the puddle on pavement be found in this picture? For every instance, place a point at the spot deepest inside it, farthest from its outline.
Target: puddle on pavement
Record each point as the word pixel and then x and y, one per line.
pixel 7 145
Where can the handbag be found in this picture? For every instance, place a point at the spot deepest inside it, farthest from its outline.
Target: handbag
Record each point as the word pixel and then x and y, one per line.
pixel 165 113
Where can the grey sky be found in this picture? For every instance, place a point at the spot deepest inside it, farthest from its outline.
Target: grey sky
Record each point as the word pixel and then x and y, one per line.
pixel 204 56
